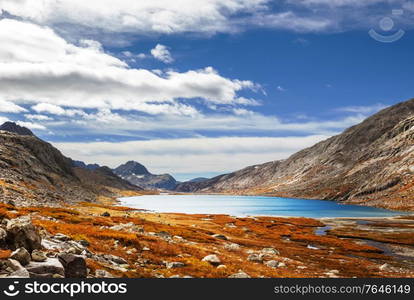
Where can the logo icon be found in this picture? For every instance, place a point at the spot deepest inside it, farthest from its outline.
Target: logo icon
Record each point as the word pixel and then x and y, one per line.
pixel 12 291
pixel 386 24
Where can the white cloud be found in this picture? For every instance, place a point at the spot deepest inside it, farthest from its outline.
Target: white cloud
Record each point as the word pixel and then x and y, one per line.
pixel 205 16
pixel 160 16
pixel 190 155
pixel 9 107
pixel 38 66
pixel 281 88
pixel 162 53
pixel 38 117
pixel 366 110
pixel 31 125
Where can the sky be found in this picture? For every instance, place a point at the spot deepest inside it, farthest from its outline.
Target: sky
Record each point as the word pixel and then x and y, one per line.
pixel 197 90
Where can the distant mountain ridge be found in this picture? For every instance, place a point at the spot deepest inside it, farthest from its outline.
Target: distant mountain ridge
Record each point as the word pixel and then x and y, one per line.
pixel 137 174
pixel 371 163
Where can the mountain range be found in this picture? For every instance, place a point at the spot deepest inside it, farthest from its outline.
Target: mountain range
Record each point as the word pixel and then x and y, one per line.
pixel 371 163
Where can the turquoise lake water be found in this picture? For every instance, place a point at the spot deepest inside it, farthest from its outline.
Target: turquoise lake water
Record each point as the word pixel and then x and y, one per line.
pixel 251 206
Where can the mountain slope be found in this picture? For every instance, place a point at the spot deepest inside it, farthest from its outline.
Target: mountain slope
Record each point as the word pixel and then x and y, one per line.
pixel 33 172
pixel 137 174
pixel 370 164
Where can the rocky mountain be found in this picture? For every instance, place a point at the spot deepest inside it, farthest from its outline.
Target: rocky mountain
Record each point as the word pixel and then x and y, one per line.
pixel 138 175
pixel 33 172
pixel 371 163
pixel 14 128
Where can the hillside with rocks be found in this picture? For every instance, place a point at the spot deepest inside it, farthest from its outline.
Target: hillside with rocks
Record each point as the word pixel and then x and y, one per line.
pixel 33 172
pixel 371 164
pixel 137 174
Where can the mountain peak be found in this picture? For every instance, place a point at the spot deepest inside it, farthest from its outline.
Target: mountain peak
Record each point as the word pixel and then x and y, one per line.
pixel 14 128
pixel 132 167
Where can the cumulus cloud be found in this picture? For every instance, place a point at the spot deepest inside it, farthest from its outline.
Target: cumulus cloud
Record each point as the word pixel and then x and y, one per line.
pixel 9 107
pixel 162 53
pixel 38 66
pixel 191 155
pixel 206 17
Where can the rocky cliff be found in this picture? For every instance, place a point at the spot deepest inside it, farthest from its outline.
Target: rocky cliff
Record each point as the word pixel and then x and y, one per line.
pixel 369 164
pixel 33 172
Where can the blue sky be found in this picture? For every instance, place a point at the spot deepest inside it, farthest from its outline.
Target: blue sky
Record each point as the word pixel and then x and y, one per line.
pixel 199 91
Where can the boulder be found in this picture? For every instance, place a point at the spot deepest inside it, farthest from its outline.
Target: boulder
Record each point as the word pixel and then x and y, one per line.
pixel 3 235
pixel 21 255
pixel 212 259
pixel 38 256
pixel 22 233
pixel 47 268
pixel 74 265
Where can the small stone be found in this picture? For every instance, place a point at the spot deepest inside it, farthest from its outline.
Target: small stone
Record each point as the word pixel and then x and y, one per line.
pixel 281 265
pixel 61 237
pixel 221 267
pixel 23 273
pixel 240 274
pixel 38 256
pixel 232 247
pixel 84 243
pixel 272 263
pixel 270 251
pixel 212 259
pixel 146 249
pixel 21 255
pixel 255 258
pixel 220 236
pixel 103 274
pixel 49 267
pixel 384 267
pixel 105 214
pixel 174 264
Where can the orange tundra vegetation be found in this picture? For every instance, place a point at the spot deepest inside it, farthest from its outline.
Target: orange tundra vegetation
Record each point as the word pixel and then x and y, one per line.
pixel 159 239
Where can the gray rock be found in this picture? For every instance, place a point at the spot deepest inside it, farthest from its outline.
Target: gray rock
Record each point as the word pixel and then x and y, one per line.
pixel 22 233
pixel 103 274
pixel 23 273
pixel 212 259
pixel 272 263
pixel 232 247
pixel 115 259
pixel 220 236
pixel 21 255
pixel 47 268
pixel 240 274
pixel 74 265
pixel 38 256
pixel 255 258
pixel 61 237
pixel 270 251
pixel 174 264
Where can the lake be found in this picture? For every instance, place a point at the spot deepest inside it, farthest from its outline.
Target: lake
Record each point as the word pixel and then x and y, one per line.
pixel 251 206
